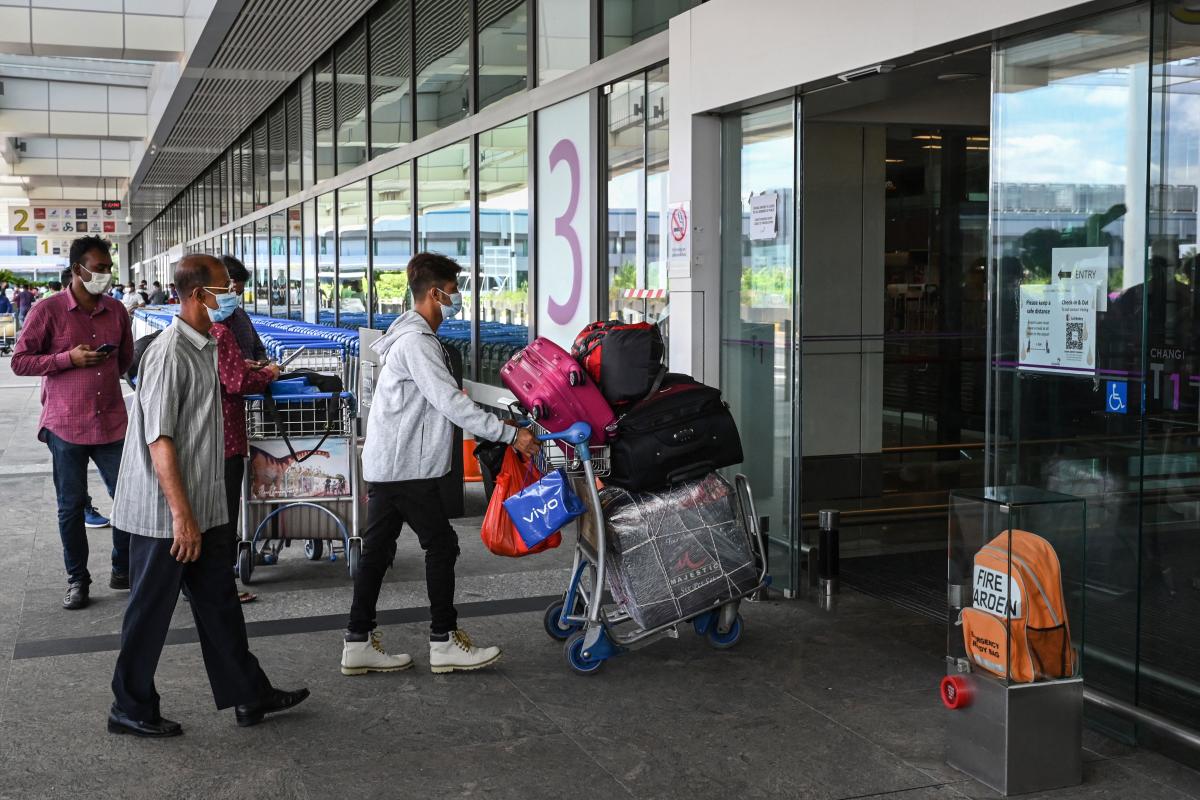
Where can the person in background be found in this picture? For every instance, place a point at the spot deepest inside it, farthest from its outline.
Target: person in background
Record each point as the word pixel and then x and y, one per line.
pixel 23 300
pixel 416 404
pixel 239 321
pixel 173 299
pixel 177 515
pixel 238 377
pixel 80 343
pixel 6 306
pixel 157 296
pixel 116 293
pixel 52 288
pixel 132 300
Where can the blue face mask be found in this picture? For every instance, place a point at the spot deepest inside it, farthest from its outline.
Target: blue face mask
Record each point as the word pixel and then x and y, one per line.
pixel 455 308
pixel 226 304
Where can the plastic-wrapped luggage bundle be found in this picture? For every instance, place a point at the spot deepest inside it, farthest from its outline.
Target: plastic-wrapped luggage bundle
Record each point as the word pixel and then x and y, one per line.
pixel 676 552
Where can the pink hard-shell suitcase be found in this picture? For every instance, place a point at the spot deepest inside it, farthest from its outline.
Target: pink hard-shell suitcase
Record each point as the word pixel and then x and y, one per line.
pixel 556 390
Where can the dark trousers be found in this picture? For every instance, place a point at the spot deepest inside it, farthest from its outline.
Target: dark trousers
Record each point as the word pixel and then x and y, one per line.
pixel 70 483
pixel 156 578
pixel 234 468
pixel 389 506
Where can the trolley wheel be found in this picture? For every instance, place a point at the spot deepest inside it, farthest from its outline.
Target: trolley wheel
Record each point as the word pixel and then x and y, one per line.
pixel 245 564
pixel 314 549
pixel 575 657
pixel 724 641
pixel 353 554
pixel 552 620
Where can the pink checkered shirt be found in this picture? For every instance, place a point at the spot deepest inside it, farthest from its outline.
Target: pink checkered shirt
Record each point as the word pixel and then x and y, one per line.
pixel 79 405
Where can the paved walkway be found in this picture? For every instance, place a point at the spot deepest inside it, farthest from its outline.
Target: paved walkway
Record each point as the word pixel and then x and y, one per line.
pixel 812 704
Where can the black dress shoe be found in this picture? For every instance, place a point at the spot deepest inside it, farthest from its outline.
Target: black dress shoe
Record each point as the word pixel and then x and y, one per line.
pixel 276 700
pixel 119 722
pixel 77 596
pixel 118 581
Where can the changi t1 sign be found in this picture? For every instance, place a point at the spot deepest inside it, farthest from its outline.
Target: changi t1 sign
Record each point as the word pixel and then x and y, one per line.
pixel 565 272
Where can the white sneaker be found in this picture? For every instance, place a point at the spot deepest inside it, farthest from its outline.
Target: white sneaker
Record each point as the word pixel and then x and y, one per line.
pixel 459 654
pixel 359 658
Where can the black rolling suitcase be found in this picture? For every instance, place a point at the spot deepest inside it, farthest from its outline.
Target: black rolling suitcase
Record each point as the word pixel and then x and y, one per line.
pixel 682 431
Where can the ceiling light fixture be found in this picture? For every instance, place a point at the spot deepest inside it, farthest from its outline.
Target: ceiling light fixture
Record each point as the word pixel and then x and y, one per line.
pixel 865 72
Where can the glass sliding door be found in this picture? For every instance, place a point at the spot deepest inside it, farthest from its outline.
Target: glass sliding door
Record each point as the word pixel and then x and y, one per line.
pixel 758 315
pixel 1068 235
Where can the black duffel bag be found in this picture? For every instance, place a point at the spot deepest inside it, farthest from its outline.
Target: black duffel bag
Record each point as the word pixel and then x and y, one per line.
pixel 297 416
pixel 682 431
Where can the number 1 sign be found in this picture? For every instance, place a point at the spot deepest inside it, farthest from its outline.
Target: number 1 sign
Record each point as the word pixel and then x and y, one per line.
pixel 565 274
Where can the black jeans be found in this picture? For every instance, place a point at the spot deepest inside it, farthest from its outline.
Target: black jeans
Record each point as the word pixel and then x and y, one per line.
pixel 70 483
pixel 389 506
pixel 156 578
pixel 234 468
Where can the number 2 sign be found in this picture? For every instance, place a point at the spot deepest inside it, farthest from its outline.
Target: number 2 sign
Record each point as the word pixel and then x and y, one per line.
pixel 565 279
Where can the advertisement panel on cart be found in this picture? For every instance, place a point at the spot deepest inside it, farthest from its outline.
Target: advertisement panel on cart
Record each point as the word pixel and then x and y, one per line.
pixel 317 470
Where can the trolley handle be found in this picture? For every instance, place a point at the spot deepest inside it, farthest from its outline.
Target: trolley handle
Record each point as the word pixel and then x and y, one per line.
pixel 577 434
pixel 293 398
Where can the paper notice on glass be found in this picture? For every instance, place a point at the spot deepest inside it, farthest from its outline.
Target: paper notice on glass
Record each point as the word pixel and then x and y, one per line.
pixel 1083 265
pixel 764 213
pixel 1058 328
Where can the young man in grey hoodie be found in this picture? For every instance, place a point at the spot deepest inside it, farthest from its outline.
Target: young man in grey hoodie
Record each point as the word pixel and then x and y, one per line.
pixel 408 448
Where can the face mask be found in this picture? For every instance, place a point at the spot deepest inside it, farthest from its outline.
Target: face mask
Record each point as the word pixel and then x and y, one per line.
pixel 226 303
pixel 99 283
pixel 455 308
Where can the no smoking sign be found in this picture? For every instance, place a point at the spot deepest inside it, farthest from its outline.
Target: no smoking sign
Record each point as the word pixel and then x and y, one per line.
pixel 681 240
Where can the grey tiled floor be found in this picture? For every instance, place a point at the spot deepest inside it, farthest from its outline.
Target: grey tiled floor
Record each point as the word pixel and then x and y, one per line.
pixel 812 704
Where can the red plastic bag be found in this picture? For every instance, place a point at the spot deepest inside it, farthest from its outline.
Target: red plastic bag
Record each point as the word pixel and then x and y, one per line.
pixel 498 533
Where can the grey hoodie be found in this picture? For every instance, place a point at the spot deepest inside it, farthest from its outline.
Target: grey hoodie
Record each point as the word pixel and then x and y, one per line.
pixel 415 407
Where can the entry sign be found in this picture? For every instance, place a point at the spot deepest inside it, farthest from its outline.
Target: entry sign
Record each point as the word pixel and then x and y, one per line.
pixel 681 232
pixel 1116 397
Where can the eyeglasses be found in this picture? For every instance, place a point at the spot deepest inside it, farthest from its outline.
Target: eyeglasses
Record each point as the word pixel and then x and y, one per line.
pixel 216 291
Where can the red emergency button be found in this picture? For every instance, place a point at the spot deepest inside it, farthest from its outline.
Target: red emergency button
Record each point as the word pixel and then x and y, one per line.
pixel 955 692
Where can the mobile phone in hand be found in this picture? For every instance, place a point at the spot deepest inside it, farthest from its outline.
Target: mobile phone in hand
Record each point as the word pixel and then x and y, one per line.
pixel 106 348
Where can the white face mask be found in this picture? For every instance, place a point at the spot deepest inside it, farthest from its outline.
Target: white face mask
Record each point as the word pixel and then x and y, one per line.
pixel 99 282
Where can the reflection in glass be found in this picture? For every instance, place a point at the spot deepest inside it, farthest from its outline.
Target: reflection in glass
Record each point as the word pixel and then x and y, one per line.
pixel 277 155
pixel 307 131
pixel 444 226
pixel 279 264
pixel 442 63
pixel 391 78
pixel 1068 172
pixel 564 37
pixel 352 255
pixel 326 242
pixel 246 255
pixel 292 114
pixel 503 284
pixel 757 317
pixel 351 63
pixel 626 191
pixel 391 242
pixel 262 265
pixel 295 233
pixel 310 283
pixel 262 193
pixel 323 76
pixel 630 21
pixel 503 49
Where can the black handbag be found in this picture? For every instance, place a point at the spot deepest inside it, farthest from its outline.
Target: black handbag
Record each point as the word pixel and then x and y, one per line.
pixel 684 430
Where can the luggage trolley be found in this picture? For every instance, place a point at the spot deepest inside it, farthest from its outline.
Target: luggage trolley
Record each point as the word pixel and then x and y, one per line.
pixel 595 631
pixel 8 333
pixel 301 481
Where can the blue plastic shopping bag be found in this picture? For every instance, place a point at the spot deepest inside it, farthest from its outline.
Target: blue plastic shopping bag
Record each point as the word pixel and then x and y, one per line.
pixel 541 508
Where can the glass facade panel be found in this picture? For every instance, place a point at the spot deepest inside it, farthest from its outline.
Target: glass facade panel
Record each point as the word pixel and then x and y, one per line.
pixel 323 114
pixel 443 68
pixel 630 21
pixel 308 131
pixel 758 318
pixel 279 264
pixel 295 290
pixel 262 265
pixel 246 255
pixel 262 191
pixel 326 243
pixel 351 64
pixel 310 282
pixel 391 243
pixel 246 177
pixel 503 258
pixel 503 49
pixel 444 226
pixel 563 37
pixel 391 76
pixel 294 157
pixel 277 153
pixel 1071 201
pixel 626 231
pixel 353 260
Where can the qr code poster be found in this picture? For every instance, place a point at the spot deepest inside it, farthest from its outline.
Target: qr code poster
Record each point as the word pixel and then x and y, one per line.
pixel 1058 328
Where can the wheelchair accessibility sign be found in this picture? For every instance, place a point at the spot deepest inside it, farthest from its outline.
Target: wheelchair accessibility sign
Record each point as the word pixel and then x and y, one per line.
pixel 1116 397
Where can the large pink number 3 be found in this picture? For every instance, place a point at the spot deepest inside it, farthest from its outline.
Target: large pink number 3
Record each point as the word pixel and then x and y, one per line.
pixel 562 313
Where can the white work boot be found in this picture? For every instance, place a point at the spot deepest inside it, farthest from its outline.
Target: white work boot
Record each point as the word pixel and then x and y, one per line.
pixel 459 654
pixel 359 658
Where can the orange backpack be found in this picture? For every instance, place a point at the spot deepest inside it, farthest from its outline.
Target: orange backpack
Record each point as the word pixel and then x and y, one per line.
pixel 1039 634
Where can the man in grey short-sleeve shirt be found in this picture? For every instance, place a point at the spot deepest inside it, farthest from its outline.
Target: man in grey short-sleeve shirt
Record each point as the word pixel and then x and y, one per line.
pixel 171 498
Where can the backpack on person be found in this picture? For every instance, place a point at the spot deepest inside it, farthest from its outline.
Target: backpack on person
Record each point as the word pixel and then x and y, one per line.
pixel 139 349
pixel 1028 597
